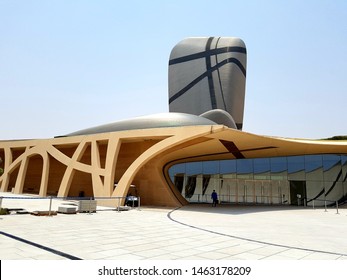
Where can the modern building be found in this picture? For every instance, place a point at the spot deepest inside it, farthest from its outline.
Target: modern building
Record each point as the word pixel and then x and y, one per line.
pixel 180 157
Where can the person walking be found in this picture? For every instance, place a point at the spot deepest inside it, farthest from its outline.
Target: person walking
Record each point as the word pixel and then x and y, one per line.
pixel 214 197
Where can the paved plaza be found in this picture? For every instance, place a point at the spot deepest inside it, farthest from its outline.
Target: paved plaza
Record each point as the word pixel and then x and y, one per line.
pixel 193 232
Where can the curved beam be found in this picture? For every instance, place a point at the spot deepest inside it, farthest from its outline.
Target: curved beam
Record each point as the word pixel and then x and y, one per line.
pixel 162 146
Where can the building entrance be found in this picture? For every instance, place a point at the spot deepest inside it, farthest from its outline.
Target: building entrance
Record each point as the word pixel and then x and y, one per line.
pixel 297 192
pixel 199 188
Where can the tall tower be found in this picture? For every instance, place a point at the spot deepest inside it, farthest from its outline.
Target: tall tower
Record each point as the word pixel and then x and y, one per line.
pixel 207 77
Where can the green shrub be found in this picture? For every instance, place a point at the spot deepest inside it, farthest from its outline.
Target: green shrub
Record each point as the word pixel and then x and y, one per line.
pixel 4 211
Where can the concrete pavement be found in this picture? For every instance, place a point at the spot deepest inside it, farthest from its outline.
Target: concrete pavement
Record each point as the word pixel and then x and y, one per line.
pixel 193 232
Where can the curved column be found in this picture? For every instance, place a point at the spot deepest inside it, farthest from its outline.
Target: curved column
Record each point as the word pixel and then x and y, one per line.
pixel 162 146
pixel 7 162
pixel 70 171
pixel 45 175
pixel 21 173
pixel 110 165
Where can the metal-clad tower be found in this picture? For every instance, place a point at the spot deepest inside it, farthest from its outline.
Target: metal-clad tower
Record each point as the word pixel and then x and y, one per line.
pixel 207 77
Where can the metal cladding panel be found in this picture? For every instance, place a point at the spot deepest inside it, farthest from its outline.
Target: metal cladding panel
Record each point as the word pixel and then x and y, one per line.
pixel 208 73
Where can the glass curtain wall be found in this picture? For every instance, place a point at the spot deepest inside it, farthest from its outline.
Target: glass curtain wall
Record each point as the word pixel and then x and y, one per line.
pixel 295 180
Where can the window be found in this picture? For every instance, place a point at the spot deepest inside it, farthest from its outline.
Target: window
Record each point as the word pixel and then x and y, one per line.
pixel 314 168
pixel 194 168
pixel 227 166
pixel 210 167
pixel 296 168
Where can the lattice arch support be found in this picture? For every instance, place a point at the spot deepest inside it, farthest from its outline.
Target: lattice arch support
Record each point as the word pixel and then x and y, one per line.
pixel 92 164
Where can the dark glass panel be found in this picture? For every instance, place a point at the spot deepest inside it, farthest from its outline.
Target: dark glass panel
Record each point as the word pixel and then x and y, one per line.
pixel 261 165
pixel 313 162
pixel 296 164
pixel 344 169
pixel 278 164
pixel 332 168
pixel 314 167
pixel 244 166
pixel 210 167
pixel 177 169
pixel 227 166
pixel 190 186
pixel 329 161
pixel 194 168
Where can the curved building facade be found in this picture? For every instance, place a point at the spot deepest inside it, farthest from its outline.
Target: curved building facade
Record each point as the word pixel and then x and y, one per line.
pixel 243 167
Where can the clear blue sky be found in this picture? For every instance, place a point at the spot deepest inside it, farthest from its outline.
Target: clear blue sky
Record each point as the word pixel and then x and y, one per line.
pixel 68 65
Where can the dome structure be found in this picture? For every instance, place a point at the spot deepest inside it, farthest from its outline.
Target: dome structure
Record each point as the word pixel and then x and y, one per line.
pixel 149 121
pixel 221 117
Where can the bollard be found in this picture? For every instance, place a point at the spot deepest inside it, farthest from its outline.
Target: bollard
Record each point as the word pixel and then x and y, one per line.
pixel 138 205
pixel 337 208
pixel 325 206
pixel 0 202
pixel 90 205
pixel 313 203
pixel 118 204
pixel 50 206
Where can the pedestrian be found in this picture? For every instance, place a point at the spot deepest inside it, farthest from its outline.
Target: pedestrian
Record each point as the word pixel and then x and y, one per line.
pixel 214 197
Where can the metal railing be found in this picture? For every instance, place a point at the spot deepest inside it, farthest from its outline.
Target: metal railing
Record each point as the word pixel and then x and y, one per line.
pixel 237 199
pixel 323 203
pixel 251 199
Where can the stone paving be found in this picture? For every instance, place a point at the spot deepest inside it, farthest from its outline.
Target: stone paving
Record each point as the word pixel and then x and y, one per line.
pixel 193 232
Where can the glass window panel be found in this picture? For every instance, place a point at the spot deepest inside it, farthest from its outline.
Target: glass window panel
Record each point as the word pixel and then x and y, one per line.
pixel 329 161
pixel 296 164
pixel 261 168
pixel 194 168
pixel 334 191
pixel 177 168
pixel 210 167
pixel 313 162
pixel 315 175
pixel 227 166
pixel 283 176
pixel 332 168
pixel 278 164
pixel 314 168
pixel 244 166
pixel 344 168
pixel 261 165
pixel 244 176
pixel 229 176
pixel 344 160
pixel 296 168
pixel 313 189
pixel 344 188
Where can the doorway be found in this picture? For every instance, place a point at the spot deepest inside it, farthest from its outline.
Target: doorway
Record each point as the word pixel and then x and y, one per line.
pixel 297 192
